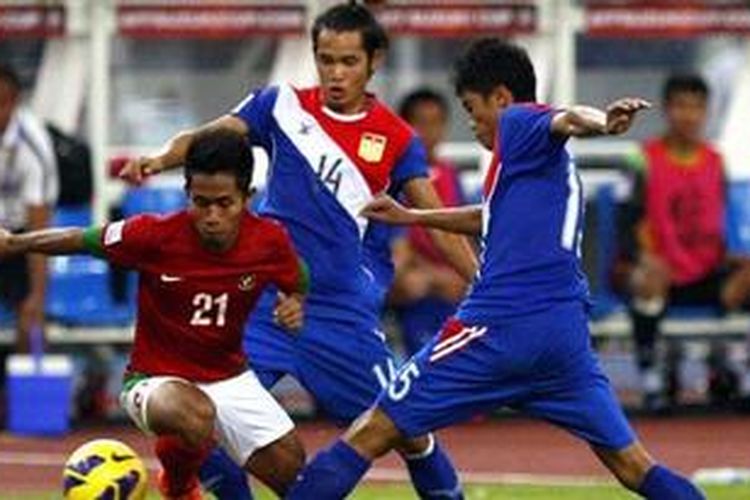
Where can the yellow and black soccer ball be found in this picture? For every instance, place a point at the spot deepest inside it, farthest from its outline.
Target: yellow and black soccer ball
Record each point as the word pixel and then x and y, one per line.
pixel 104 469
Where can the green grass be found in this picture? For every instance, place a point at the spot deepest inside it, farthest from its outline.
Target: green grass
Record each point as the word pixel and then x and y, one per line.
pixel 398 492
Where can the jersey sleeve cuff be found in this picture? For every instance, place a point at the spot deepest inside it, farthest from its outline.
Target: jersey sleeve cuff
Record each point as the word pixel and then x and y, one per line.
pixel 303 284
pixel 92 241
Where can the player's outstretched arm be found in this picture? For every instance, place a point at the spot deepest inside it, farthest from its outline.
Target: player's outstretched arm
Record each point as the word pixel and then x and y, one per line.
pixel 462 220
pixel 172 155
pixel 456 249
pixel 586 121
pixel 58 241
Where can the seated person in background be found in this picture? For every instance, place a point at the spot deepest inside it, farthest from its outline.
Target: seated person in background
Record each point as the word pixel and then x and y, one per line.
pixel 675 253
pixel 426 289
pixel 201 271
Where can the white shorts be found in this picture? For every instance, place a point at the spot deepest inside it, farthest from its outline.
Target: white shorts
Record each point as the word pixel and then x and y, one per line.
pixel 247 416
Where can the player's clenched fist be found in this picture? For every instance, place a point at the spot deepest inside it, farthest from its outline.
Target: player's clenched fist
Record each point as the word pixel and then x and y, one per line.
pixel 288 312
pixel 135 171
pixel 386 209
pixel 620 114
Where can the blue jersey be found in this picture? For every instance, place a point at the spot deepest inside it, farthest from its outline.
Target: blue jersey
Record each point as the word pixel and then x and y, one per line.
pixel 324 169
pixel 531 222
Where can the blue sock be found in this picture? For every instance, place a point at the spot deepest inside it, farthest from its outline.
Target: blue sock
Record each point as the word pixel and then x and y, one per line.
pixel 331 475
pixel 224 478
pixel 661 483
pixel 433 474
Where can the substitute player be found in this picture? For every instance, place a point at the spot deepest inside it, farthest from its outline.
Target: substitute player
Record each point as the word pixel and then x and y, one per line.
pixel 332 149
pixel 520 338
pixel 200 273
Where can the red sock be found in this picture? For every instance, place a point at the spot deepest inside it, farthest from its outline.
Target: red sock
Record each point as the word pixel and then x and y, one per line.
pixel 180 462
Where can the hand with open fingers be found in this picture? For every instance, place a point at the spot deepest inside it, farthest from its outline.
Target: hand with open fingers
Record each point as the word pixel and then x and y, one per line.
pixel 621 113
pixel 136 170
pixel 386 209
pixel 289 312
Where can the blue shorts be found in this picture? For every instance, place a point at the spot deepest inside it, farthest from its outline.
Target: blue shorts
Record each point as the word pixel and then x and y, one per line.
pixel 343 364
pixel 541 365
pixel 420 320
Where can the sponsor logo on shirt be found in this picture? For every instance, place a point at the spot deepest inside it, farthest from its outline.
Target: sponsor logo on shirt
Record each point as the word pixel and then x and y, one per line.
pixel 372 147
pixel 247 282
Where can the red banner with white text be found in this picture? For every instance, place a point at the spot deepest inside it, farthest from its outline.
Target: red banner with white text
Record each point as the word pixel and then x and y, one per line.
pixel 209 20
pixel 662 20
pixel 31 21
pixel 459 18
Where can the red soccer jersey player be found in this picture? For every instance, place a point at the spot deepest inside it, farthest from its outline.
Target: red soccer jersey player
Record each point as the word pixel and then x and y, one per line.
pixel 192 302
pixel 200 273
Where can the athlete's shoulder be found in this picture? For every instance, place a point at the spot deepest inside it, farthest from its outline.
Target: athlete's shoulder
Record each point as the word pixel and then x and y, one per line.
pixel 712 151
pixel 526 111
pixel 259 96
pixel 382 116
pixel 265 229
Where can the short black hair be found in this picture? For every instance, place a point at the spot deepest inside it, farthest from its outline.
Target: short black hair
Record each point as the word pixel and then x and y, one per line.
pixel 351 16
pixel 220 151
pixel 10 76
pixel 420 96
pixel 491 62
pixel 680 83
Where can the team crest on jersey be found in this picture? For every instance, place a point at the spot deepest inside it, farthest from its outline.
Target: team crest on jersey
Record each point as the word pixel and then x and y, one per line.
pixel 247 282
pixel 372 147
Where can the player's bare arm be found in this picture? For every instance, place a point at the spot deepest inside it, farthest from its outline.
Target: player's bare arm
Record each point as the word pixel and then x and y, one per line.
pixel 463 220
pixel 586 121
pixel 421 194
pixel 60 241
pixel 172 155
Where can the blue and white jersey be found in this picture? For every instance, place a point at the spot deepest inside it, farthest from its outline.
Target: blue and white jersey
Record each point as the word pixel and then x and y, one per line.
pixel 324 168
pixel 532 222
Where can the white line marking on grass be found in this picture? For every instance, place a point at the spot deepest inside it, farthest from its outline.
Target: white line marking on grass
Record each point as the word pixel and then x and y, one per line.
pixel 377 474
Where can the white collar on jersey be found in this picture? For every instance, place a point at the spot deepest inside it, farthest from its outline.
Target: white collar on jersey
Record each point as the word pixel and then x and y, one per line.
pixel 343 118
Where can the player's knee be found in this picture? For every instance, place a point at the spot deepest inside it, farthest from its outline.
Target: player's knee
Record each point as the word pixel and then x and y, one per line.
pixel 415 446
pixel 182 409
pixel 373 434
pixel 201 422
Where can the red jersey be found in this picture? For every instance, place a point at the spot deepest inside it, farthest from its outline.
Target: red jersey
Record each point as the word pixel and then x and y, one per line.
pixel 444 178
pixel 193 303
pixel 684 208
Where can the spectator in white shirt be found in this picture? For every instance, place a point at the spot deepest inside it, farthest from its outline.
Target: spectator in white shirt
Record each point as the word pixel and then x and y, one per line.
pixel 28 192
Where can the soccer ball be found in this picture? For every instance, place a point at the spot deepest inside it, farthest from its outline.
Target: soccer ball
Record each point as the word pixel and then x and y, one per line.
pixel 104 469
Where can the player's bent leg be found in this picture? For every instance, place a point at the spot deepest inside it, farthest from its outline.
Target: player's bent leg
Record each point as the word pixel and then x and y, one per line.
pixel 638 472
pixel 432 472
pixel 344 389
pixel 334 472
pixel 251 424
pixel 278 463
pixel 182 416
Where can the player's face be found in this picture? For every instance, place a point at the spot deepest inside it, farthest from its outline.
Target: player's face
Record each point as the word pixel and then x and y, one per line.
pixel 216 205
pixel 429 120
pixel 483 113
pixel 343 69
pixel 686 115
